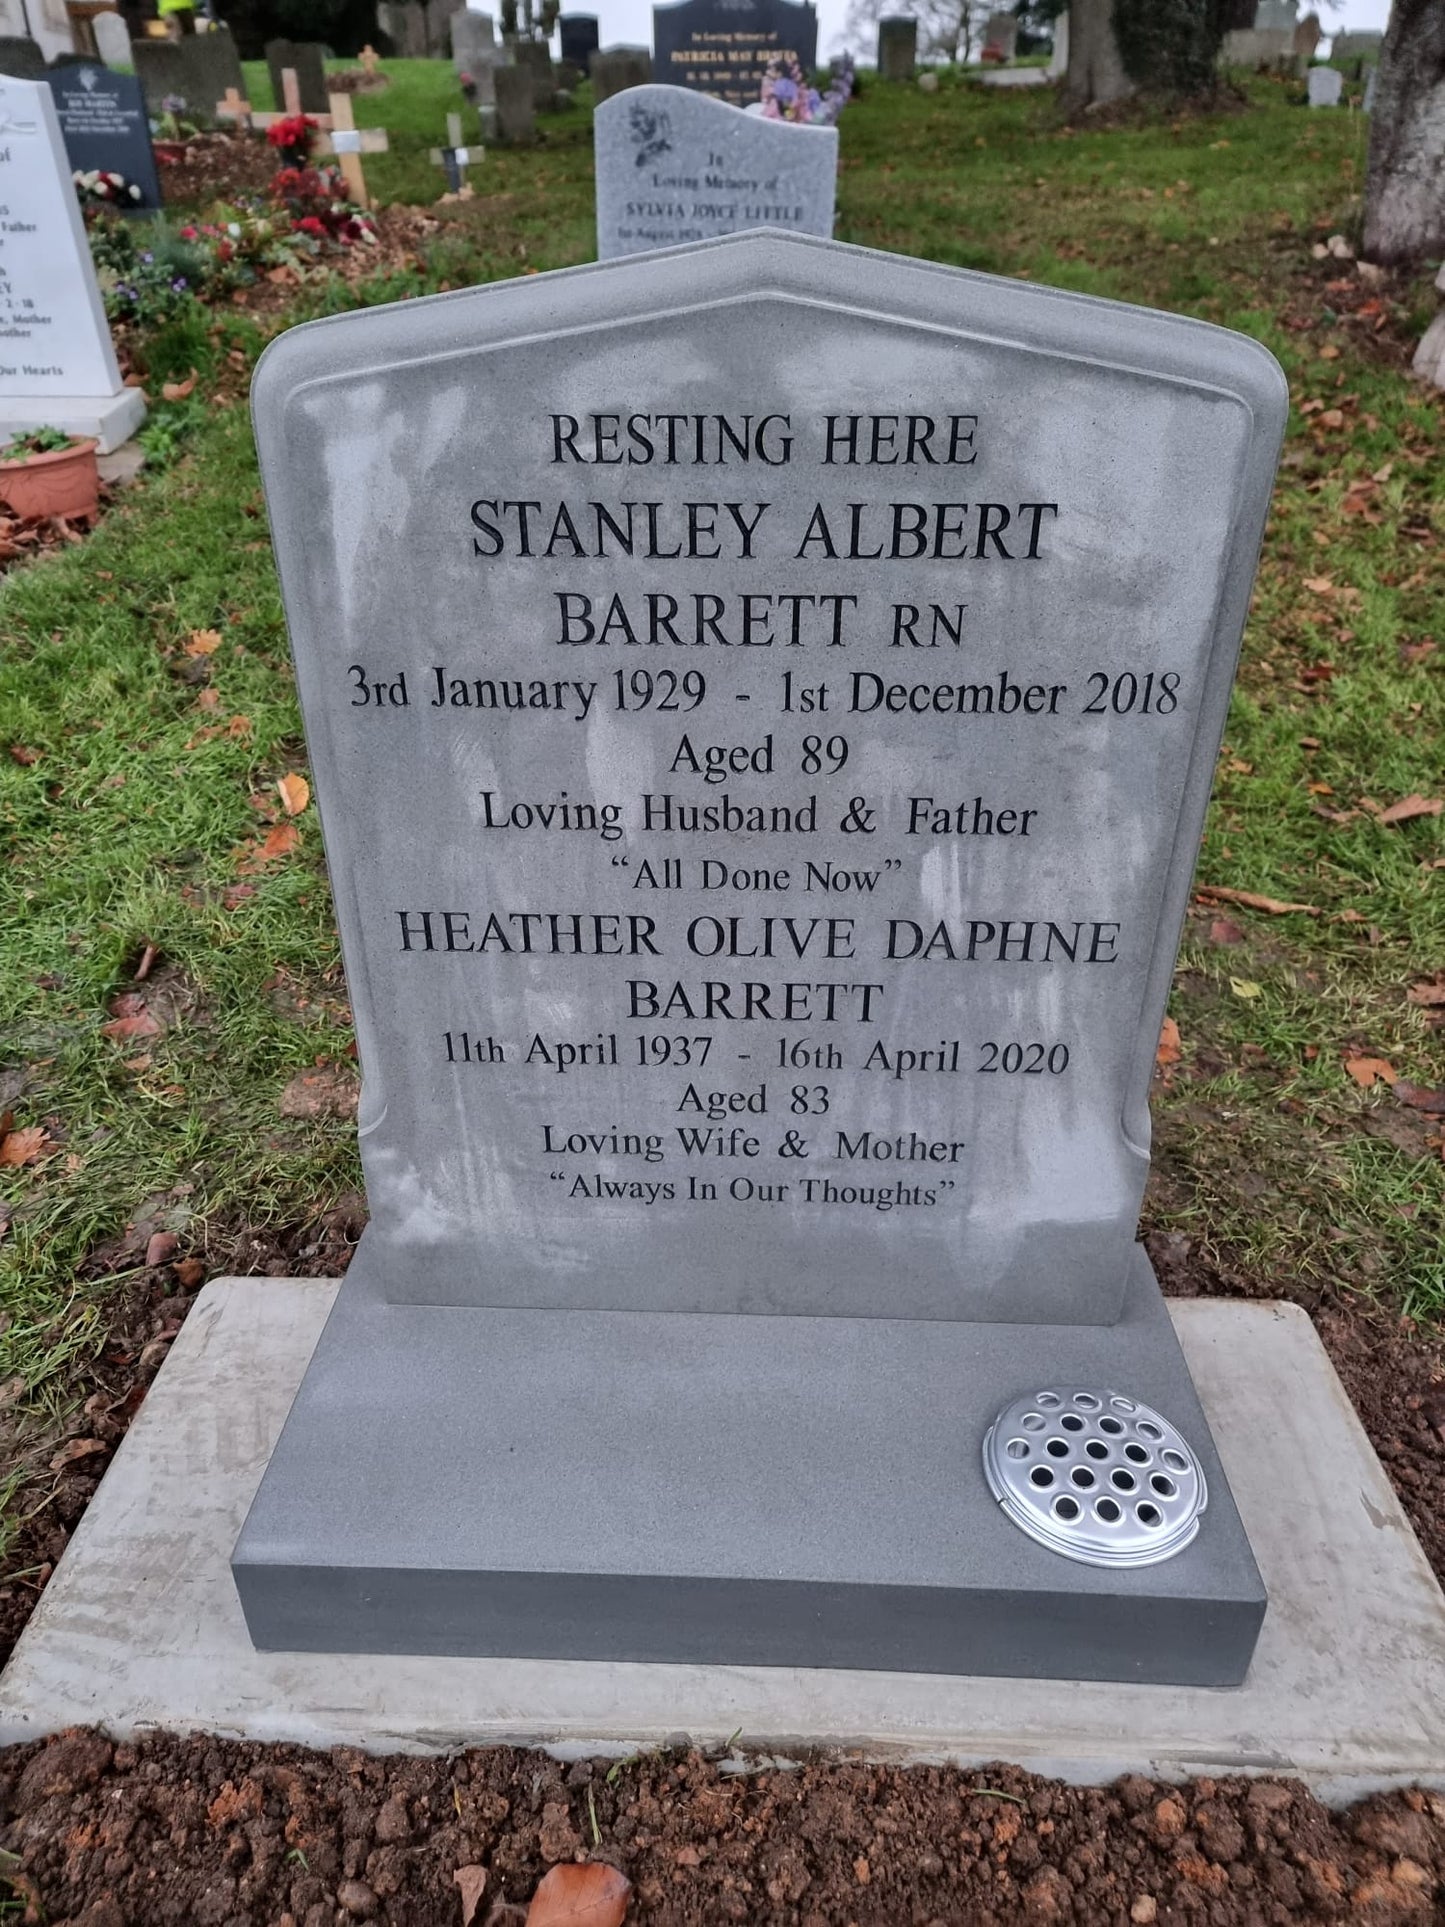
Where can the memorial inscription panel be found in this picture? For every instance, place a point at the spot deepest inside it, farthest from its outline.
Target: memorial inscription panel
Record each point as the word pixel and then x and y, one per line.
pixel 674 166
pixel 723 47
pixel 763 701
pixel 53 337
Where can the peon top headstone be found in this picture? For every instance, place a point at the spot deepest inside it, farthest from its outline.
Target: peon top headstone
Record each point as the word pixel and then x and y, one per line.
pixel 104 124
pixel 722 47
pixel 817 660
pixel 306 59
pixel 57 366
pixel 674 166
pixel 580 38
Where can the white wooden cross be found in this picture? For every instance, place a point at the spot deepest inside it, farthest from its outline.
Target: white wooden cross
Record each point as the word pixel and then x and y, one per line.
pixel 454 157
pixel 348 143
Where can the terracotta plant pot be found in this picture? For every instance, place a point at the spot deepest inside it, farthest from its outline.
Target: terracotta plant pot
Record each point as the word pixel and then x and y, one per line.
pixel 64 482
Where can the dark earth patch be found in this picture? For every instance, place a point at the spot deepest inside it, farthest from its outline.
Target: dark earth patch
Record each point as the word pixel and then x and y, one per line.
pixel 224 1834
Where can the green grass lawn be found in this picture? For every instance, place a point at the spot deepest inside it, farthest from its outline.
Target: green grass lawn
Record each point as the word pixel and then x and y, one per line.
pixel 139 787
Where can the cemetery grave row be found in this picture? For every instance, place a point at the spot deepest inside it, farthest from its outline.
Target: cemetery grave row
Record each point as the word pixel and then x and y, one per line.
pixel 848 550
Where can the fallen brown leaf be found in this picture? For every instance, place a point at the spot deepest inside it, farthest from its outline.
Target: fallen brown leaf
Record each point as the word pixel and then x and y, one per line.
pixel 1319 585
pixel 162 1247
pixel 295 793
pixel 472 1882
pixel 1409 807
pixel 1369 1071
pixel 1251 900
pixel 1429 992
pixel 190 1272
pixel 24 1147
pixel 141 1024
pixel 1225 930
pixel 278 841
pixel 1170 1050
pixel 23 755
pixel 178 390
pixel 588 1895
pixel 203 642
pixel 77 1449
pixel 1420 1098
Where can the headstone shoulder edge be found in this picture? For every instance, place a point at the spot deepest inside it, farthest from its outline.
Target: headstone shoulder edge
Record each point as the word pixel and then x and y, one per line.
pixel 805 268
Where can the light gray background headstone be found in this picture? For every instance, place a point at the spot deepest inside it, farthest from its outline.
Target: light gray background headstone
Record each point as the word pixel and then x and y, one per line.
pixel 514 105
pixel 674 165
pixel 57 366
pixel 615 68
pixel 1276 16
pixel 112 39
pixel 1001 33
pixel 1059 57
pixel 1326 84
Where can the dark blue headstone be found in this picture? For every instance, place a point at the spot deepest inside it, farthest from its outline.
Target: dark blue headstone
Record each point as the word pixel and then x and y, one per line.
pixel 722 47
pixel 580 38
pixel 103 123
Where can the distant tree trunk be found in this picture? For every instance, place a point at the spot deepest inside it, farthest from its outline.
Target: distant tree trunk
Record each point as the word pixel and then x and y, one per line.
pixel 1096 68
pixel 1405 182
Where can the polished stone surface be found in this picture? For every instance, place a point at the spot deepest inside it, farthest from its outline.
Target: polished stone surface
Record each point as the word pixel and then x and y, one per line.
pixel 800 944
pixel 675 166
pixel 724 47
pixel 141 1626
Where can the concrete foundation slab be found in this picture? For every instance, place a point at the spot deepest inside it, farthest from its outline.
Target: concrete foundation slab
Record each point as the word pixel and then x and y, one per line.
pixel 141 1626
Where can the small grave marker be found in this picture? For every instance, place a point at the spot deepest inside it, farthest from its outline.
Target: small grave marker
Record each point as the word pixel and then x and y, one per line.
pixel 454 156
pixel 348 143
pixel 1326 85
pixel 235 107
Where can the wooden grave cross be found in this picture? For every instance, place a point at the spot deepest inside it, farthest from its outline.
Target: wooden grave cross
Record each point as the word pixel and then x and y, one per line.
pixel 454 157
pixel 234 107
pixel 291 104
pixel 348 143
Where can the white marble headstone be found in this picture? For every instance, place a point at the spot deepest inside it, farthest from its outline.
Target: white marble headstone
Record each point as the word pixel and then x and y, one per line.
pixel 1326 85
pixel 57 366
pixel 674 165
pixel 112 39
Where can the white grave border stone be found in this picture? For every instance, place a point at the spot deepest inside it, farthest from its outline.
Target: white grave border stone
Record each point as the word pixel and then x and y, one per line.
pixel 84 394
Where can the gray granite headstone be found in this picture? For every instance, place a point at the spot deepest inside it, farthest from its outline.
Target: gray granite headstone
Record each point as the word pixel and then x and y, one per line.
pixel 199 68
pixel 21 57
pixel 1276 16
pixel 897 46
pixel 674 166
pixel 104 124
pixel 112 40
pixel 723 47
pixel 474 41
pixel 762 702
pixel 614 69
pixel 1326 84
pixel 514 105
pixel 534 60
pixel 307 60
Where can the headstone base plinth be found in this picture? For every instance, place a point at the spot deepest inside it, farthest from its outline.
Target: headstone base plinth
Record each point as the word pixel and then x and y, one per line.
pixel 141 1628
pixel 686 1488
pixel 111 419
